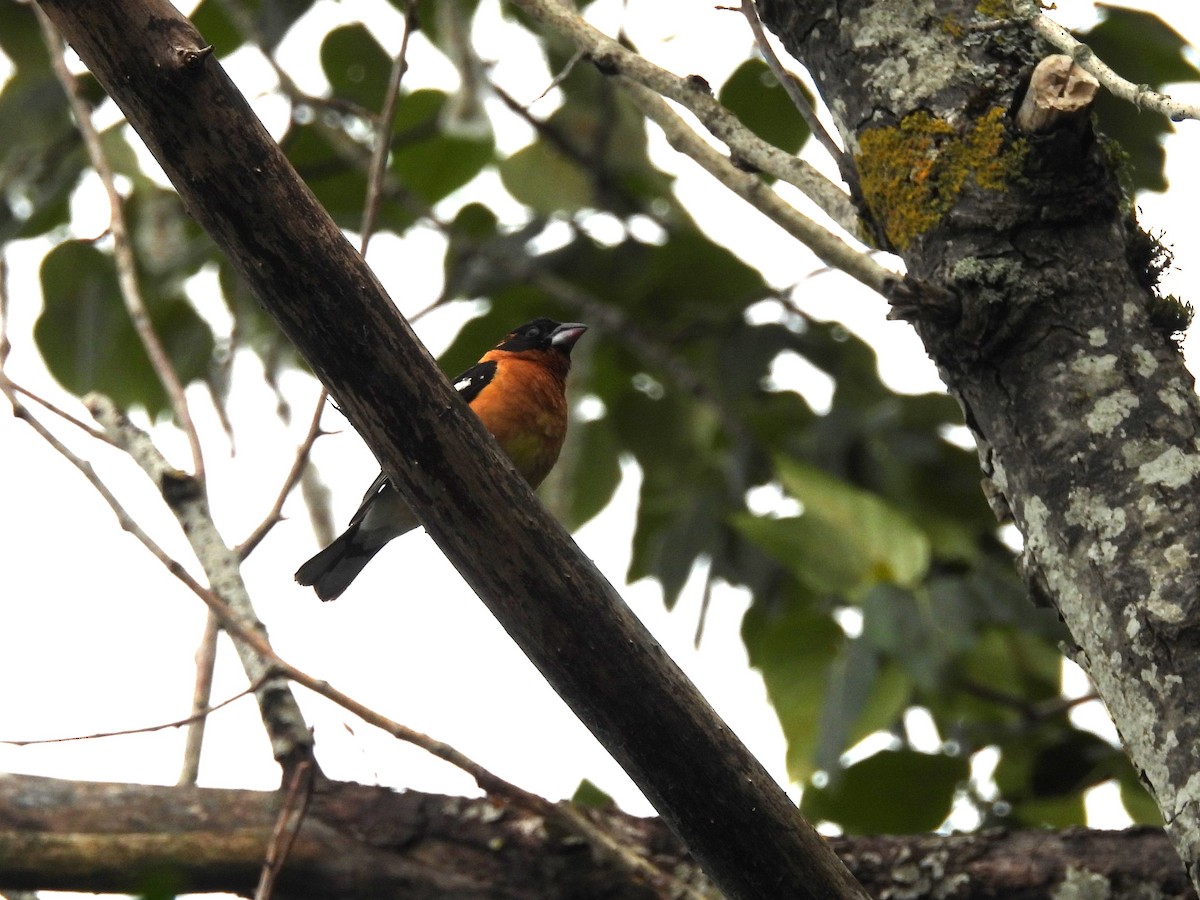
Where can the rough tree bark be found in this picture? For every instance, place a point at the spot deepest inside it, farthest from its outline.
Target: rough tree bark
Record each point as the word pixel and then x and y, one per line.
pixel 368 842
pixel 236 183
pixel 1084 415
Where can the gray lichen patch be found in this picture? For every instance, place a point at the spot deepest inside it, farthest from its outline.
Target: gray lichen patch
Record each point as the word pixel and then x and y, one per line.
pixel 1147 365
pixel 1172 468
pixel 913 63
pixel 1096 368
pixel 1176 401
pixel 1110 411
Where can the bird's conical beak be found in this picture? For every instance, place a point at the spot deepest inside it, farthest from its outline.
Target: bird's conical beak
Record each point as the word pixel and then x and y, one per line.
pixel 565 335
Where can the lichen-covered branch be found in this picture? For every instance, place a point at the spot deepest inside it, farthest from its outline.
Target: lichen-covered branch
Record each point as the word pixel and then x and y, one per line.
pixel 694 95
pixel 1140 95
pixel 827 246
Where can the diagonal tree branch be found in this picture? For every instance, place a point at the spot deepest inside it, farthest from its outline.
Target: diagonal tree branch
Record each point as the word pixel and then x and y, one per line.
pixel 233 179
pixel 694 95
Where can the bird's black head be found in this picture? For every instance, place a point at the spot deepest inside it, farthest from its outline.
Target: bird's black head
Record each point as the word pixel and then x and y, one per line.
pixel 543 334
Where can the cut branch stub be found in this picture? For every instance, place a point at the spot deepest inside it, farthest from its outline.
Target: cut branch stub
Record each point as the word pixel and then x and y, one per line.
pixel 1059 92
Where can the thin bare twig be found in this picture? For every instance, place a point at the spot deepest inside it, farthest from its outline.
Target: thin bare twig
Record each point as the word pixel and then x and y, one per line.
pixel 127 277
pixel 91 430
pixel 383 131
pixel 790 85
pixel 5 346
pixel 294 474
pixel 206 664
pixel 148 729
pixel 489 782
pixel 1140 95
pixel 287 827
pixel 274 665
pixel 124 519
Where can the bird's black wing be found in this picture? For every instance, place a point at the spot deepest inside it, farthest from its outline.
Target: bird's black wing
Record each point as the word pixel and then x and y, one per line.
pixel 475 379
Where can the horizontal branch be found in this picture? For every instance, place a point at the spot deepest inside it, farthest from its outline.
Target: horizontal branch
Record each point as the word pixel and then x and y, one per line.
pixel 368 842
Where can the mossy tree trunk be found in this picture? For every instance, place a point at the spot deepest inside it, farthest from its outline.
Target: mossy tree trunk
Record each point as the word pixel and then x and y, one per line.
pixel 1052 340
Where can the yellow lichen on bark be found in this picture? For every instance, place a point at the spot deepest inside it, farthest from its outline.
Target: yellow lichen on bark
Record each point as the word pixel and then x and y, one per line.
pixel 912 173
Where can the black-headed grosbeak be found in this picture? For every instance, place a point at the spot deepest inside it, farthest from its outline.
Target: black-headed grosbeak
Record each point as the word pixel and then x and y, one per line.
pixel 518 389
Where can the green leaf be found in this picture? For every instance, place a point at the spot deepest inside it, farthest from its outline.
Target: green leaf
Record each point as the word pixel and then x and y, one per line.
pixel 888 545
pixel 1137 800
pixel 427 160
pixel 794 648
pixel 338 183
pixel 41 157
pixel 892 792
pixel 1043 773
pixel 88 342
pixel 356 65
pixel 542 178
pixel 592 797
pixel 1141 46
pixel 845 540
pixel 758 99
pixel 864 696
pixel 217 28
pixel 593 474
pixel 922 635
pixel 1049 812
pixel 815 554
pixel 21 39
pixel 431 20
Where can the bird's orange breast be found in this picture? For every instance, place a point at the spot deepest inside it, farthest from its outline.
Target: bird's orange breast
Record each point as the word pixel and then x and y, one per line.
pixel 525 408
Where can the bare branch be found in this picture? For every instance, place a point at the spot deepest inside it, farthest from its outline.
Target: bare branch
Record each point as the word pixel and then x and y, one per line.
pixel 489 782
pixel 131 291
pixel 287 828
pixel 246 547
pixel 788 82
pixel 829 247
pixel 5 346
pixel 91 430
pixel 383 130
pixel 126 521
pixel 549 597
pixel 148 729
pixel 206 663
pixel 291 741
pixel 693 94
pixel 1140 95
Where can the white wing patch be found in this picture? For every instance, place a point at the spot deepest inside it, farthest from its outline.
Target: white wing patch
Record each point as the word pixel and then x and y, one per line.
pixel 463 383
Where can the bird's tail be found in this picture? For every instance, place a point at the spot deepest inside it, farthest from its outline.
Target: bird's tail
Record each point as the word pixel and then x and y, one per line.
pixel 331 571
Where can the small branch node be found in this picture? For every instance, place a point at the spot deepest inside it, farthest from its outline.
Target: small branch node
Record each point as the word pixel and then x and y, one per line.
pixel 191 56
